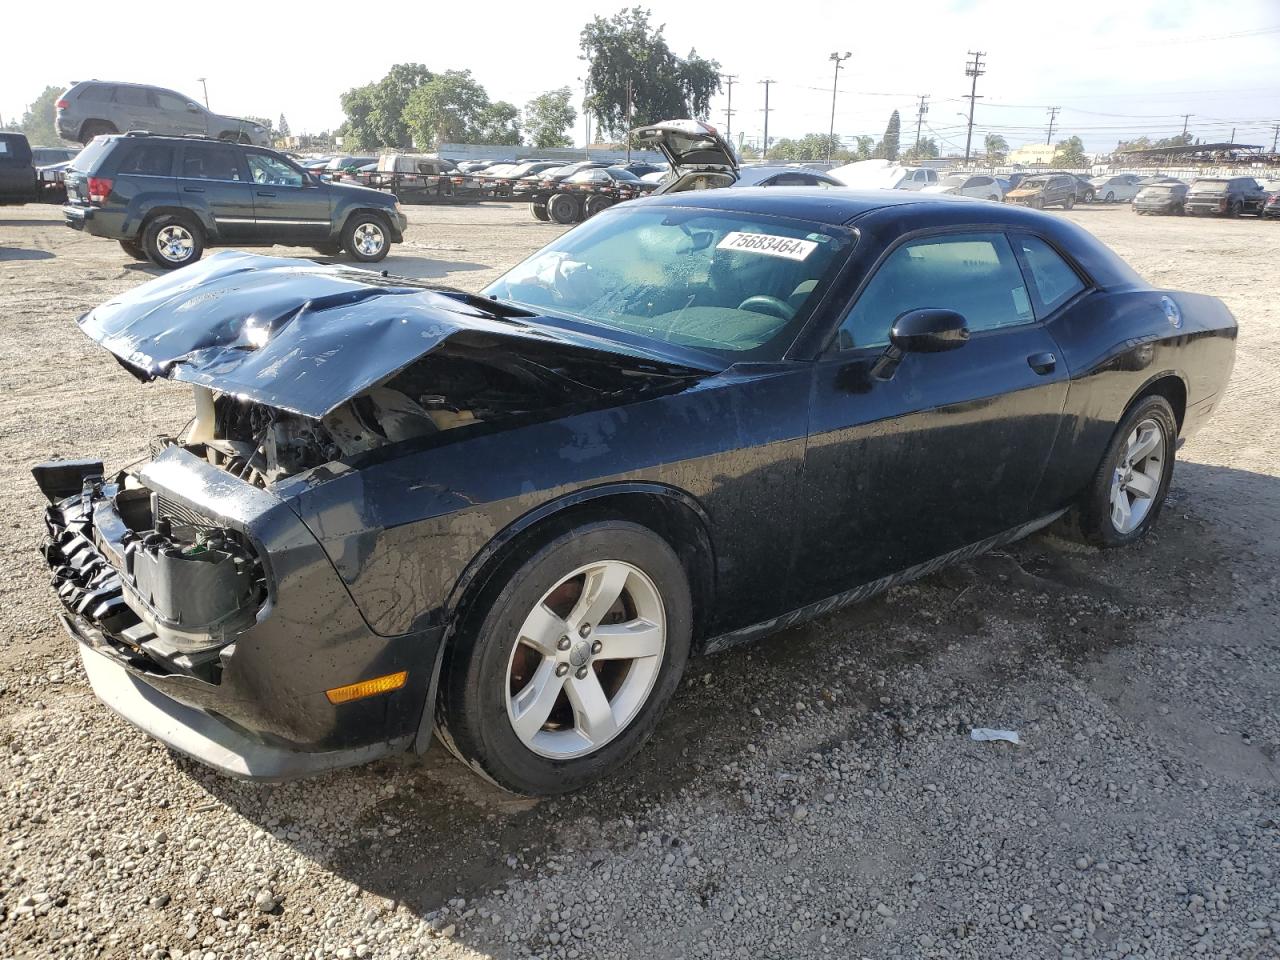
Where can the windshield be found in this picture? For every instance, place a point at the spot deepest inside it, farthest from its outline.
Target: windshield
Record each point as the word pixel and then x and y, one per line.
pixel 956 180
pixel 1033 183
pixel 737 285
pixel 620 174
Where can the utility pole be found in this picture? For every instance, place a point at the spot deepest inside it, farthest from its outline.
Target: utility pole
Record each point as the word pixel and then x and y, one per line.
pixel 586 115
pixel 206 91
pixel 1053 115
pixel 920 112
pixel 1233 135
pixel 728 111
pixel 1275 140
pixel 1185 118
pixel 628 121
pixel 831 135
pixel 972 70
pixel 764 153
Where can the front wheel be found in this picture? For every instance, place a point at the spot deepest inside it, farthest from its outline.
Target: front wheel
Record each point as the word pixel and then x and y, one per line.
pixel 173 241
pixel 1126 494
pixel 563 208
pixel 560 671
pixel 539 211
pixel 1110 197
pixel 1068 203
pixel 365 238
pixel 1236 210
pixel 594 205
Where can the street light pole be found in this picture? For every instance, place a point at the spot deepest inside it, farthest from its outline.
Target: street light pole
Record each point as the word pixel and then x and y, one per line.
pixel 831 135
pixel 206 91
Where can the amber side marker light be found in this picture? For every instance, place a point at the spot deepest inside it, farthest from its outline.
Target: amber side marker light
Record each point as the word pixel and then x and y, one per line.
pixel 367 688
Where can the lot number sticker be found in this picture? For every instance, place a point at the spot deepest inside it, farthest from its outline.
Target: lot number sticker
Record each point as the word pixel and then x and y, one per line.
pixel 766 243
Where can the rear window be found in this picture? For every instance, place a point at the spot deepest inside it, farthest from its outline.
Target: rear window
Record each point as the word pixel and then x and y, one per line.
pixel 90 158
pixel 1210 186
pixel 14 149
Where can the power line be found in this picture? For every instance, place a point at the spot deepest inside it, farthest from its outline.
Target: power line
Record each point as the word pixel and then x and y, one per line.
pixel 972 70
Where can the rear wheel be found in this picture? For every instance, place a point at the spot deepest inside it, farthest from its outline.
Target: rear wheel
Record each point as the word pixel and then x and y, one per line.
pixel 1236 210
pixel 561 672
pixel 539 211
pixel 172 241
pixel 594 205
pixel 563 208
pixel 95 128
pixel 1126 494
pixel 133 249
pixel 365 237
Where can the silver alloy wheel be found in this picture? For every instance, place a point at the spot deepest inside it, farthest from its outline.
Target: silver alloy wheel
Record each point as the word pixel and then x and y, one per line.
pixel 1136 479
pixel 586 659
pixel 175 243
pixel 369 239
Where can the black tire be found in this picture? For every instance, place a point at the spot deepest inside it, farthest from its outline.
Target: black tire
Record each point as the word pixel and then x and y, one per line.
pixel 539 211
pixel 471 711
pixel 1091 517
pixel 134 249
pixel 563 209
pixel 164 236
pixel 95 128
pixel 328 249
pixel 1235 211
pixel 1110 197
pixel 360 237
pixel 1068 203
pixel 594 205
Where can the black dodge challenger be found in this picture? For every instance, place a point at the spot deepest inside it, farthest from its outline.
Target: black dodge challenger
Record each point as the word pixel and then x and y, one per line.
pixel 510 518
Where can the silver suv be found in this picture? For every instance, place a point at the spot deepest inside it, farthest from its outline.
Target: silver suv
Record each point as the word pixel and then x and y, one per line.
pixel 94 107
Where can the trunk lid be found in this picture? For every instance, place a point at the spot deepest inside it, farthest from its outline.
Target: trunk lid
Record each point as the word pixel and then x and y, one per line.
pixel 305 337
pixel 688 145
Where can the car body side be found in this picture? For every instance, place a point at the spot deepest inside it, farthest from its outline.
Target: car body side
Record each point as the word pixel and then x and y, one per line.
pixel 391 547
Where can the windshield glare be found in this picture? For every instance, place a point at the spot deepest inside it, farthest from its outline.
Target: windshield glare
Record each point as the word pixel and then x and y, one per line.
pixel 737 285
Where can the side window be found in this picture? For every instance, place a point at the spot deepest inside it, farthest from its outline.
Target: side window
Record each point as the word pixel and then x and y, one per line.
pixel 133 96
pixel 787 180
pixel 273 171
pixel 95 93
pixel 210 161
pixel 170 102
pixel 148 159
pixel 1054 280
pixel 975 274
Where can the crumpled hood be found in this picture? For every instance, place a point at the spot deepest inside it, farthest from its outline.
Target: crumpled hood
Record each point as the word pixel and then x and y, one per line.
pixel 293 334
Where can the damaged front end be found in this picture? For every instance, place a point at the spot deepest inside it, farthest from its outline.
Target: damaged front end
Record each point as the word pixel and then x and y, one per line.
pixel 207 611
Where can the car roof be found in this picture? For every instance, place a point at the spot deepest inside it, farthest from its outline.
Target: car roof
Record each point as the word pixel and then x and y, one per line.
pixel 833 206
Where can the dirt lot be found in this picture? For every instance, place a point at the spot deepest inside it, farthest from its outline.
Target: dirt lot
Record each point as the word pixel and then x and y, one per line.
pixel 816 794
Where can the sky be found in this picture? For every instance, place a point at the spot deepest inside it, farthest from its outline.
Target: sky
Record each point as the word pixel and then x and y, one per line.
pixel 1116 70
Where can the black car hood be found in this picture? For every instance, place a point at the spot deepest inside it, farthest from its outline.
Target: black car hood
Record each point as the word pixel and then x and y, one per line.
pixel 306 337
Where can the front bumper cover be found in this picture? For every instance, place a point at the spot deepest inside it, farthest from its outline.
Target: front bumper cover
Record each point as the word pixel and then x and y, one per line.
pixel 253 705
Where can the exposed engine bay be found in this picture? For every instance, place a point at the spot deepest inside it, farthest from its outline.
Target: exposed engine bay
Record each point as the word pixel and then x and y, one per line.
pixel 465 384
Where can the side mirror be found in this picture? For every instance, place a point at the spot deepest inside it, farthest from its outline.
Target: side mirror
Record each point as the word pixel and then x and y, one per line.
pixel 193 108
pixel 930 330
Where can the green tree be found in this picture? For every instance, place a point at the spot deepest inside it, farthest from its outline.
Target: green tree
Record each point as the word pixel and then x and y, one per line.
pixel 625 53
pixel 864 147
pixel 887 148
pixel 375 111
pixel 282 128
pixel 37 120
pixel 499 124
pixel 926 149
pixel 997 148
pixel 1070 153
pixel 452 107
pixel 548 118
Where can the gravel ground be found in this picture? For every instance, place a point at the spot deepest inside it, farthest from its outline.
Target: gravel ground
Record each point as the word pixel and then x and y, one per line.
pixel 816 794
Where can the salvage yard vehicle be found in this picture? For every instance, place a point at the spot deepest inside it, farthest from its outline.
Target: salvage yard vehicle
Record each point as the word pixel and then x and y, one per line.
pixel 166 198
pixel 1161 198
pixel 981 186
pixel 1122 186
pixel 511 517
pixel 419 179
pixel 92 108
pixel 599 188
pixel 19 181
pixel 1044 191
pixel 1225 196
pixel 539 188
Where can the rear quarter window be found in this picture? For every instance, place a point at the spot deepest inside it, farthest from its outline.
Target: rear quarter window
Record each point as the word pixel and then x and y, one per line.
pixel 1053 278
pixel 95 93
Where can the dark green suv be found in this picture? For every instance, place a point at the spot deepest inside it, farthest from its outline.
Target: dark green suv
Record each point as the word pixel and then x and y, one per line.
pixel 167 198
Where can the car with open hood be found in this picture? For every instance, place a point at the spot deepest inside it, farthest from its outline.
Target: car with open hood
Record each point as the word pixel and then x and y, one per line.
pixel 509 518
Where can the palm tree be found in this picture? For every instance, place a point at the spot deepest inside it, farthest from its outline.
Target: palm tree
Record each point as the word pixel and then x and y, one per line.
pixel 997 147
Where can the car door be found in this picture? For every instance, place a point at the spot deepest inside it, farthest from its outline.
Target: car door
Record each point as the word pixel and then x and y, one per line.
pixel 212 176
pixel 1255 198
pixel 135 109
pixel 181 116
pixel 948 448
pixel 288 206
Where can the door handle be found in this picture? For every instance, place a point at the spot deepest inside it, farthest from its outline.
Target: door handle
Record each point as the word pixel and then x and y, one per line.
pixel 1043 363
pixel 193 189
pixel 264 193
